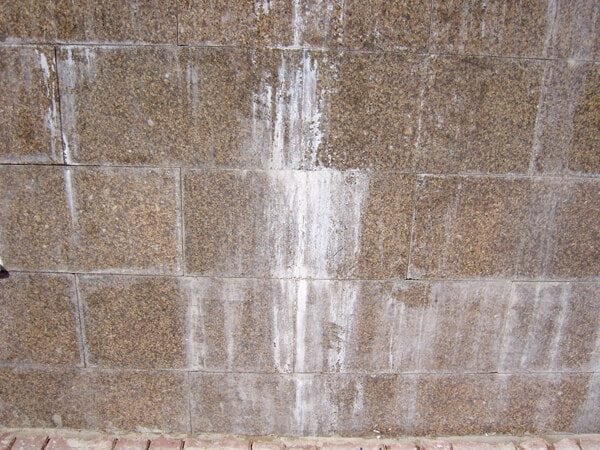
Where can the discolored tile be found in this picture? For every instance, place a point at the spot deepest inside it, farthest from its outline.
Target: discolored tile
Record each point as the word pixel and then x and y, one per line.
pixel 575 31
pixel 491 28
pixel 296 223
pixel 45 398
pixel 499 227
pixel 462 101
pixel 134 322
pixel 566 136
pixel 140 401
pixel 29 115
pixel 251 404
pixel 551 327
pixel 241 325
pixel 376 25
pixel 372 112
pixel 125 219
pixel 89 21
pixel 38 319
pixel 374 327
pixel 222 22
pixel 36 226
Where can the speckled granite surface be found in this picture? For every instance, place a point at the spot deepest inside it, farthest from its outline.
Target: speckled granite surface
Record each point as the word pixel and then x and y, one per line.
pixel 301 217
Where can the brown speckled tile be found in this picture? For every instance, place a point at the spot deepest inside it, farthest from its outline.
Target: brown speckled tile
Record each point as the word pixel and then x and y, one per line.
pixel 244 23
pixel 125 219
pixel 551 327
pixel 36 230
pixel 575 233
pixel 255 223
pixel 89 21
pixel 255 404
pixel 494 27
pixel 29 115
pixel 140 401
pixel 45 398
pixel 372 113
pixel 496 227
pixel 134 322
pixel 463 100
pixel 38 319
pixel 372 326
pixel 241 325
pixel 566 136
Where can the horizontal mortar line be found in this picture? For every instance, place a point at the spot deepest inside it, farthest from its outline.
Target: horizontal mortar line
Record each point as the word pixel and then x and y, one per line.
pixel 316 49
pixel 509 176
pixel 231 277
pixel 55 367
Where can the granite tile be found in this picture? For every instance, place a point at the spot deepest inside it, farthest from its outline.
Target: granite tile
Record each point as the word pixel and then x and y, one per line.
pixel 45 398
pixel 492 28
pixel 475 227
pixel 566 138
pixel 36 227
pixel 552 327
pixel 462 101
pixel 237 403
pixel 29 115
pixel 89 21
pixel 374 25
pixel 544 403
pixel 575 234
pixel 136 322
pixel 125 219
pixel 374 327
pixel 220 22
pixel 38 319
pixel 141 401
pixel 296 223
pixel 372 111
pixel 241 325
pixel 575 30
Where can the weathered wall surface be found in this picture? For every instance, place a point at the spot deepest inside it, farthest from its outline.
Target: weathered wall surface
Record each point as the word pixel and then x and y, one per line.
pixel 301 217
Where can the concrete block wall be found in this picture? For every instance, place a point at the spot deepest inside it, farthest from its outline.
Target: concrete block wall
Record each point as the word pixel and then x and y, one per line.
pixel 300 217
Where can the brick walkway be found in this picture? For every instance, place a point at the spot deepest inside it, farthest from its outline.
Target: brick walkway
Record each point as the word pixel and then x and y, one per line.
pixel 62 440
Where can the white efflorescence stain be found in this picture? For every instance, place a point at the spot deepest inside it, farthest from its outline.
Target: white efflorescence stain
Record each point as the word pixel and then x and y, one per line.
pixel 51 119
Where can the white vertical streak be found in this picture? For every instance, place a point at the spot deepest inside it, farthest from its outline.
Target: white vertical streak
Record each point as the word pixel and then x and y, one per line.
pixel 70 195
pixel 301 287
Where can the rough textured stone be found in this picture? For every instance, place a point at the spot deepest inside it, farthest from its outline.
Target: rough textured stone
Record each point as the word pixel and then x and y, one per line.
pixel 29 442
pixel 497 227
pixel 263 403
pixel 534 444
pixel 80 443
pixel 566 138
pixel 268 446
pixel 6 440
pixel 491 28
pixel 372 113
pixel 140 400
pixel 551 327
pixel 36 227
pixel 165 444
pixel 241 324
pixel 89 21
pixel 301 224
pixel 589 442
pixel 29 116
pixel 462 100
pixel 125 219
pixel 38 319
pixel 566 444
pixel 132 444
pixel 476 445
pixel 370 326
pixel 134 321
pixel 45 398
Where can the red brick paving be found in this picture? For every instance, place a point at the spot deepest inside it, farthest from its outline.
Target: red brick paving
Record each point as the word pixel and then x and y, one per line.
pixel 71 440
